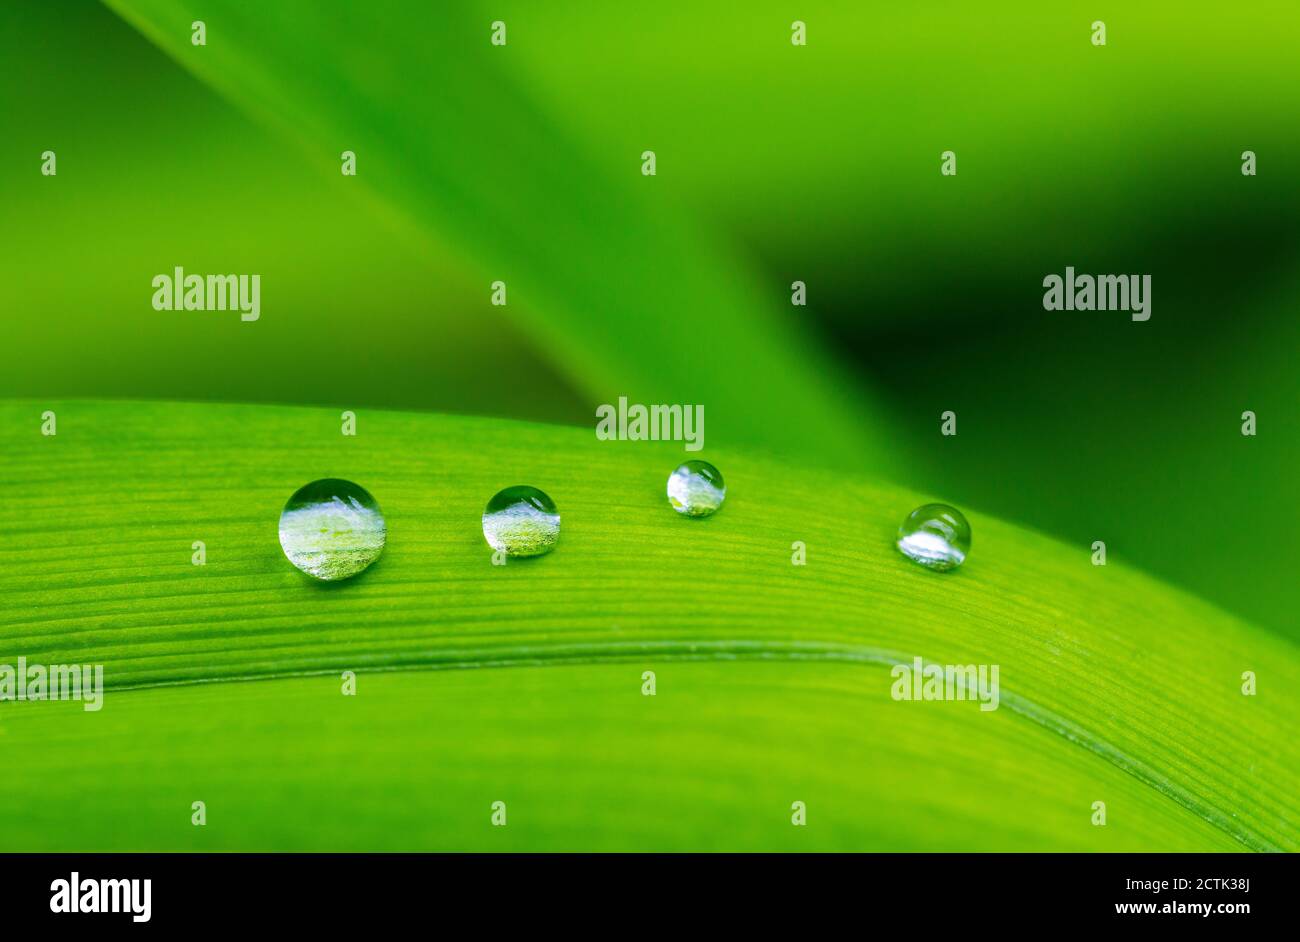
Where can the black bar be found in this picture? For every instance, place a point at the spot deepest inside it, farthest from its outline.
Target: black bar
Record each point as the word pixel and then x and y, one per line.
pixel 955 893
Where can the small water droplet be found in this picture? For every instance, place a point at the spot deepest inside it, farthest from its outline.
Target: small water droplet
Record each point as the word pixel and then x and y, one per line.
pixel 521 521
pixel 936 536
pixel 696 489
pixel 332 529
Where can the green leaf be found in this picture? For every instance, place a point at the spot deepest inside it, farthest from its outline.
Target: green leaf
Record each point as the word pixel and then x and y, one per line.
pixel 626 291
pixel 344 280
pixel 773 680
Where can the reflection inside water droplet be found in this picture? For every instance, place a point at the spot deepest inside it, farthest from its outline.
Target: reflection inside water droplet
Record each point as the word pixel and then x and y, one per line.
pixel 696 489
pixel 521 521
pixel 332 529
pixel 936 536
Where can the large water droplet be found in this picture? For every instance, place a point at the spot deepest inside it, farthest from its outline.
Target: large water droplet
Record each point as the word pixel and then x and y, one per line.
pixel 696 489
pixel 332 529
pixel 521 521
pixel 936 536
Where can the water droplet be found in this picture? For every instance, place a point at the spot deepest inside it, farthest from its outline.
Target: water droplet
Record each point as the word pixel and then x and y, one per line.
pixel 332 529
pixel 521 521
pixel 696 489
pixel 936 536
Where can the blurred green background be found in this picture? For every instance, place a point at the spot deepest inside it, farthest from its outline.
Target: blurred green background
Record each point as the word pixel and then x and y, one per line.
pixel 775 163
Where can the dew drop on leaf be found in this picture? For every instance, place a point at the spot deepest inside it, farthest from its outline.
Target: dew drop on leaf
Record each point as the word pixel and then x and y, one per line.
pixel 521 521
pixel 696 489
pixel 936 536
pixel 332 529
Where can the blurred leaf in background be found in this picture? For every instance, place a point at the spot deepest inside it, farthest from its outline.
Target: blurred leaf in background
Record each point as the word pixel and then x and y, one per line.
pixel 623 293
pixel 156 171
